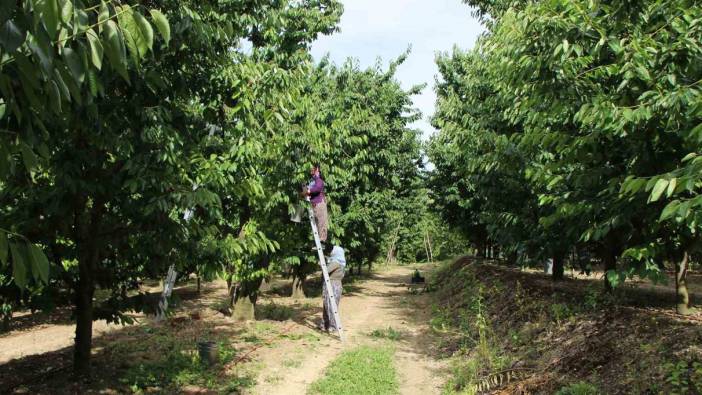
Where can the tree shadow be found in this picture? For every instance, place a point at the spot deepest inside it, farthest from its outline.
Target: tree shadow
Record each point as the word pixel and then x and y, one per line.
pixel 154 357
pixel 63 315
pixel 24 321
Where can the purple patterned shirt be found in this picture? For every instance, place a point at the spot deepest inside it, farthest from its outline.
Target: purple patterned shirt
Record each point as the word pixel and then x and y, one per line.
pixel 316 189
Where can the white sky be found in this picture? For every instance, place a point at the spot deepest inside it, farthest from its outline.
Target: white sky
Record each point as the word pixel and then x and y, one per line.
pixel 372 29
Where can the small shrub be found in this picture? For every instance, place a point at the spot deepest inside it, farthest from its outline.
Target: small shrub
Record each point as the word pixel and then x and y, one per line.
pixel 592 299
pixel 561 312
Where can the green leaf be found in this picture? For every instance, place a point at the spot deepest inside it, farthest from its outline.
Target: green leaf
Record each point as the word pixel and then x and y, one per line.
pixel 65 90
pixel 669 210
pixel 161 22
pixel 671 187
pixel 28 157
pixel 93 83
pixel 132 35
pixel 75 64
pixel 4 161
pixel 19 268
pixel 11 36
pixel 81 20
pixel 7 7
pixel 114 45
pixel 104 14
pixel 96 48
pixel 49 11
pixel 39 264
pixel 132 46
pixel 67 11
pixel 643 73
pixel 696 132
pixel 689 156
pixel 4 248
pixel 147 32
pixel 658 189
pixel 55 96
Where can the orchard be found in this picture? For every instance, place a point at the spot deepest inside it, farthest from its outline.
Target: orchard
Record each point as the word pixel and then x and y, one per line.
pixel 144 140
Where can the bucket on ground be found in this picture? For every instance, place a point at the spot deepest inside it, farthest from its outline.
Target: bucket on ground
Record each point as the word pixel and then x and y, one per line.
pixel 209 352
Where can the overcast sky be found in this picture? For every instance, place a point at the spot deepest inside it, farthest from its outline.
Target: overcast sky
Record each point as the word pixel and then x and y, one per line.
pixel 372 29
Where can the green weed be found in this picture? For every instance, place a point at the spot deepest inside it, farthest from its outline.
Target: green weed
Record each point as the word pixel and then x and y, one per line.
pixel 581 388
pixel 364 370
pixel 561 312
pixel 292 363
pixel 390 334
pixel 684 377
pixel 308 336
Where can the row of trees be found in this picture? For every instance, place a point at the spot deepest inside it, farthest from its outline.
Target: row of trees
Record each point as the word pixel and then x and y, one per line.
pixel 135 137
pixel 574 127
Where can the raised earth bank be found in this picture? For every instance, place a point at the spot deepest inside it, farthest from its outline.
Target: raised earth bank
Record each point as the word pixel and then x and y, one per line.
pixel 510 331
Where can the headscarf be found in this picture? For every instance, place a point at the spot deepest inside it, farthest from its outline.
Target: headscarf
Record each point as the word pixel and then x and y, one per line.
pixel 338 255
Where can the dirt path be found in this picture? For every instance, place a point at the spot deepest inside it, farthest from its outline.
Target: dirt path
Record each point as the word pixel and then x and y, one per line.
pixel 377 303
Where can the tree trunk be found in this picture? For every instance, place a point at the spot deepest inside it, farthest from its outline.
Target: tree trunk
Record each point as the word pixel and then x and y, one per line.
pixel 298 291
pixel 431 248
pixel 6 320
pixel 558 267
pixel 244 309
pixel 426 248
pixel 246 293
pixel 198 284
pixel 265 286
pixel 88 258
pixel 85 291
pixel 683 298
pixel 512 258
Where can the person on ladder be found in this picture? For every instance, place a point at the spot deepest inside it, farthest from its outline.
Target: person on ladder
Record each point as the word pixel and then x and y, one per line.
pixel 336 263
pixel 315 191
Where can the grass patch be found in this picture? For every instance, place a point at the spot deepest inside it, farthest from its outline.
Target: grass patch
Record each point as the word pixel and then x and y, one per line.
pixel 274 312
pixel 292 363
pixel 390 334
pixel 308 336
pixel 176 368
pixel 364 370
pixel 581 388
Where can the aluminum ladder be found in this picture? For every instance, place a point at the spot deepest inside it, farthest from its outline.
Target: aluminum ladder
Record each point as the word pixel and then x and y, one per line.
pixel 325 273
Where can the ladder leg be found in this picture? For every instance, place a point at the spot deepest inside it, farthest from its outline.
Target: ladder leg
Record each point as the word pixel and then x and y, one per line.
pixel 327 282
